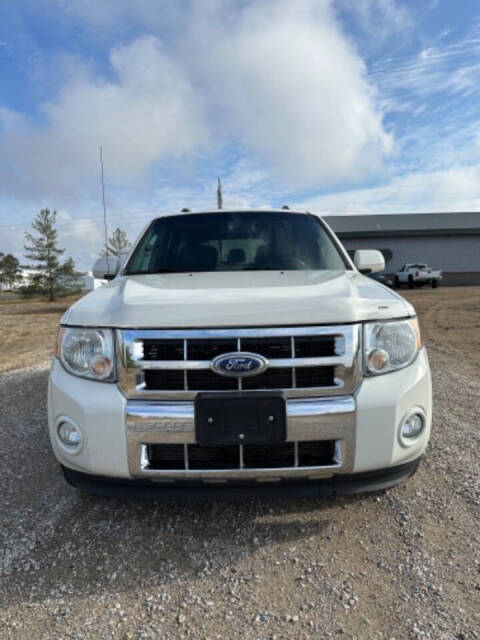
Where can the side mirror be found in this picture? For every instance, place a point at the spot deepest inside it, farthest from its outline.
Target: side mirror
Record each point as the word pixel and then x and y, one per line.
pixel 122 257
pixel 369 261
pixel 106 268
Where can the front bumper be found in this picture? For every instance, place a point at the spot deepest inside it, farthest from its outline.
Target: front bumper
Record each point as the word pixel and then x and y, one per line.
pixel 148 489
pixel 364 426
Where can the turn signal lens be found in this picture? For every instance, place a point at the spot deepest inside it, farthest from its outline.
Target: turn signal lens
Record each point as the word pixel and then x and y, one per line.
pixel 377 360
pixel 101 367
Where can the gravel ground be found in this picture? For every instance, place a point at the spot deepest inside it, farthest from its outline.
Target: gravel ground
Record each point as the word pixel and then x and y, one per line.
pixel 394 565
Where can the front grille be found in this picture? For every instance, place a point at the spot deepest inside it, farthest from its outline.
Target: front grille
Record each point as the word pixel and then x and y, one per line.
pixel 205 349
pixel 170 380
pixel 307 377
pixel 270 379
pixel 209 349
pixel 302 361
pixel 314 346
pixel 268 347
pixel 317 453
pixel 207 380
pixel 163 350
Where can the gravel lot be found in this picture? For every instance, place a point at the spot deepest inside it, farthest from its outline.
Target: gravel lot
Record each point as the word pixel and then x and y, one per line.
pixel 401 564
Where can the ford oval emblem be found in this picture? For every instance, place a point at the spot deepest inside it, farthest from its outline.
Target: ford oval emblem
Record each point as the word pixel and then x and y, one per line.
pixel 239 365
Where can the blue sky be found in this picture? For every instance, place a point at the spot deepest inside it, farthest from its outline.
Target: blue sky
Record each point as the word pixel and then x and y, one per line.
pixel 338 106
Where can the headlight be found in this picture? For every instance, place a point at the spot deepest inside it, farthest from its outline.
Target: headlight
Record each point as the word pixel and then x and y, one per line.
pixel 389 346
pixel 87 352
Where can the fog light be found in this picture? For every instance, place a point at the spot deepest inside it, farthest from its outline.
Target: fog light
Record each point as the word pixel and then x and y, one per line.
pixel 413 425
pixel 69 434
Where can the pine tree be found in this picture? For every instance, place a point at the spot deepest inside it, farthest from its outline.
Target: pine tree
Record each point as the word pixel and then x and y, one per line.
pixel 117 241
pixel 10 272
pixel 51 277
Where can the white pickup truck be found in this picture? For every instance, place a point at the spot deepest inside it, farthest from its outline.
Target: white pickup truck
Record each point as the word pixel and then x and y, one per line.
pixel 416 275
pixel 239 354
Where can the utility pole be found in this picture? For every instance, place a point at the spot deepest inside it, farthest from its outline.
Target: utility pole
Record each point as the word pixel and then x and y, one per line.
pixel 219 194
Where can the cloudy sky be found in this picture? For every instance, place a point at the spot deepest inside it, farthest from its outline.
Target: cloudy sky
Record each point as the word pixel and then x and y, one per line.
pixel 339 106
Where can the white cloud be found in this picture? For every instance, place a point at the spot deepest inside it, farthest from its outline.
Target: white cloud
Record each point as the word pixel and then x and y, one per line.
pixel 278 79
pixel 289 86
pixel 379 21
pixel 454 189
pixel 149 111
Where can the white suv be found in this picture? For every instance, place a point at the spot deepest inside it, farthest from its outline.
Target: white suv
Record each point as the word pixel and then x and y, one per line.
pixel 239 353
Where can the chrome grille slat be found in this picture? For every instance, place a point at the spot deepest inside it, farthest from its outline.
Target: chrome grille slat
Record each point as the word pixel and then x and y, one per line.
pixel 185 376
pixel 292 347
pixel 342 347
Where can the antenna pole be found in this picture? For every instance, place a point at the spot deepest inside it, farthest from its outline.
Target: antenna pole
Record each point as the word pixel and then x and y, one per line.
pixel 219 194
pixel 104 205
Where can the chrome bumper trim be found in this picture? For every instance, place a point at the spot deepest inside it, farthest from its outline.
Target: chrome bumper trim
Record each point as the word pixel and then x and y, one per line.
pixel 330 418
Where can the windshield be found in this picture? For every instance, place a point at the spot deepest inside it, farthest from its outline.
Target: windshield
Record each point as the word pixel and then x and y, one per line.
pixel 247 241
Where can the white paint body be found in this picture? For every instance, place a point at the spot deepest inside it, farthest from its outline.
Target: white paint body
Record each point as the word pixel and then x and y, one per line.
pixel 238 299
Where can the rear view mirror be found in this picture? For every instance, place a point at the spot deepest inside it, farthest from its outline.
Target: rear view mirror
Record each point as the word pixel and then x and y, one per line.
pixel 369 261
pixel 106 267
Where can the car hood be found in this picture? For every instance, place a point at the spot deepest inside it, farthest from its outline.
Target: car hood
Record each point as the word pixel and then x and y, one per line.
pixel 237 299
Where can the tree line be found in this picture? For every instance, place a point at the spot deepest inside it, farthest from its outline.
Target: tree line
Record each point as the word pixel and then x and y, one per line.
pixel 50 276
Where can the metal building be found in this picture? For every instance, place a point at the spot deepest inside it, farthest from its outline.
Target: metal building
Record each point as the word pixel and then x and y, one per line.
pixel 447 241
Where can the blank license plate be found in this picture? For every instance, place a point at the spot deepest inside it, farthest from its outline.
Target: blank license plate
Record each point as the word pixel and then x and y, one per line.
pixel 244 418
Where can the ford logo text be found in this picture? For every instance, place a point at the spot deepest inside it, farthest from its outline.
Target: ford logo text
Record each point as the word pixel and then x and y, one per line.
pixel 239 365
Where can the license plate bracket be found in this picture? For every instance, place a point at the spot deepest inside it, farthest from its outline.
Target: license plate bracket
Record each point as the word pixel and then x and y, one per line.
pixel 240 418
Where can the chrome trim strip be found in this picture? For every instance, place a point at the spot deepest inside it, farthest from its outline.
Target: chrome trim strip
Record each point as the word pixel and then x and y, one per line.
pixel 245 474
pixel 185 355
pixel 195 365
pixel 253 332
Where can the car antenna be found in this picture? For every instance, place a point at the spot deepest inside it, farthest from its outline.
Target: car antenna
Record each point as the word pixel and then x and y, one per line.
pixel 285 207
pixel 219 194
pixel 104 207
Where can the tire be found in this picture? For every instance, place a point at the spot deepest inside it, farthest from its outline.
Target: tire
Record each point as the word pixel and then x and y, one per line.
pixel 434 284
pixel 411 283
pixel 396 283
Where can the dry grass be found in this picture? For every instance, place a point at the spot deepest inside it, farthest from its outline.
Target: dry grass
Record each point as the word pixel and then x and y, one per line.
pixel 449 320
pixel 28 330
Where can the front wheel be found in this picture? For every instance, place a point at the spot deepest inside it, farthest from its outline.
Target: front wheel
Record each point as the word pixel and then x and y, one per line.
pixel 411 283
pixel 396 283
pixel 434 284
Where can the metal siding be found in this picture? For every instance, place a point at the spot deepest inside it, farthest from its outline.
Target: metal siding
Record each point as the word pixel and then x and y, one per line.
pixel 453 254
pixel 434 223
